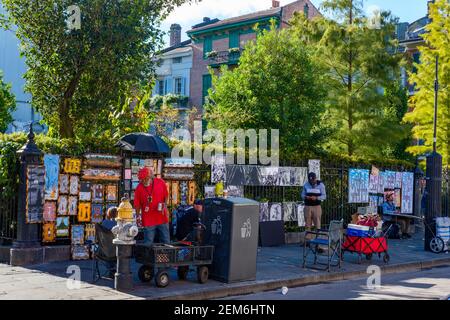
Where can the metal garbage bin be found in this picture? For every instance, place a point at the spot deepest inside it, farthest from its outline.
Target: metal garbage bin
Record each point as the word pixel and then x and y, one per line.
pixel 232 227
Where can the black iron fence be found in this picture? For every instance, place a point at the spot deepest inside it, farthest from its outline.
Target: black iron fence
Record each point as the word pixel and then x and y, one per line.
pixel 8 218
pixel 446 193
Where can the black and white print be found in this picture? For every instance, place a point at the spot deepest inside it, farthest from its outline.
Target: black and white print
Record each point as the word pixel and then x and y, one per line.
pixel 301 214
pixel 218 169
pixel 276 211
pixel 289 212
pixel 235 191
pixel 264 212
pixel 314 166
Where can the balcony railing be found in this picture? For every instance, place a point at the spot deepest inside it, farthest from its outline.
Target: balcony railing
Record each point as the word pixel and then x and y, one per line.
pixel 224 57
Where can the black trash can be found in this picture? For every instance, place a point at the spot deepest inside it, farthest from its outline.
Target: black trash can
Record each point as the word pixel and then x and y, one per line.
pixel 232 227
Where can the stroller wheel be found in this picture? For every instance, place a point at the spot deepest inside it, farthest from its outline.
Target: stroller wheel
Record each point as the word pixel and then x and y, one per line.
pixel 437 245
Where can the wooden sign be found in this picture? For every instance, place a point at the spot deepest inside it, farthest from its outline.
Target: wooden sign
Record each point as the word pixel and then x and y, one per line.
pixel 84 212
pixel 72 166
pixel 35 194
pixel 49 232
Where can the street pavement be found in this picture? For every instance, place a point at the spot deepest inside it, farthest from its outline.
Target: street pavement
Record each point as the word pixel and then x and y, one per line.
pixel 432 284
pixel 276 267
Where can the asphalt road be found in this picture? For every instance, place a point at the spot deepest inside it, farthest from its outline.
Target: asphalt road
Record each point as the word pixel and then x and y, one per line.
pixel 427 284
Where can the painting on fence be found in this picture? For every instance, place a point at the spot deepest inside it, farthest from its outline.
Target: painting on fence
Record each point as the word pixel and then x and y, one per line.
pixel 62 227
pixel 50 211
pixel 358 186
pixel 314 166
pixel 407 192
pixel 64 184
pixel 35 194
pixel 264 212
pixel 276 211
pixel 51 163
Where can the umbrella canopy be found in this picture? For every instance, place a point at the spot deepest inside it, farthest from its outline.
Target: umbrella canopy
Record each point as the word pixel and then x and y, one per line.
pixel 143 142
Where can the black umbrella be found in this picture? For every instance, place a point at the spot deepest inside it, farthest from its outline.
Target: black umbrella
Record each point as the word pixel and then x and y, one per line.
pixel 143 142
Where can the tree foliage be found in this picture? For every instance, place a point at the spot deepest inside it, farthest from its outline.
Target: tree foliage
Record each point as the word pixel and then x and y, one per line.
pixel 437 42
pixel 7 104
pixel 359 61
pixel 78 77
pixel 275 86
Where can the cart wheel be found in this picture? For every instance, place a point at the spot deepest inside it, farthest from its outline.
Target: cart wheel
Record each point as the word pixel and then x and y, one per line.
pixel 369 256
pixel 162 279
pixel 202 274
pixel 182 272
pixel 437 245
pixel 145 273
pixel 386 258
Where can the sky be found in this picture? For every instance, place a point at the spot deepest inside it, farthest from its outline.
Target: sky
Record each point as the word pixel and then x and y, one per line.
pixel 189 15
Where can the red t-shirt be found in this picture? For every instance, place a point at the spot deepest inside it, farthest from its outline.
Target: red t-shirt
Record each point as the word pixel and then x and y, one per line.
pixel 158 192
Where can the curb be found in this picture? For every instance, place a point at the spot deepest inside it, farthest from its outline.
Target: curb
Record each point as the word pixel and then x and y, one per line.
pixel 269 285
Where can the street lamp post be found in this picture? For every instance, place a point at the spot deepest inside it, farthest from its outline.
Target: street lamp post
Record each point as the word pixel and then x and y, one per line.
pixel 434 172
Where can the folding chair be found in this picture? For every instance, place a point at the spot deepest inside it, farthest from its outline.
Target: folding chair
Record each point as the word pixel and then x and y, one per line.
pixel 104 254
pixel 331 238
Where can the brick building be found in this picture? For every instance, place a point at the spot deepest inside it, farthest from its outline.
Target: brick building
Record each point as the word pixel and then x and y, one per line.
pixel 218 42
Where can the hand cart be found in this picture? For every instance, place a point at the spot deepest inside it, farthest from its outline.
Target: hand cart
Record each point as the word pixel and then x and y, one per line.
pixel 179 255
pixel 437 244
pixel 367 246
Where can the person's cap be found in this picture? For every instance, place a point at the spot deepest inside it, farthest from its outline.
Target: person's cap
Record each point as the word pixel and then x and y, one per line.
pixel 198 202
pixel 144 173
pixel 312 175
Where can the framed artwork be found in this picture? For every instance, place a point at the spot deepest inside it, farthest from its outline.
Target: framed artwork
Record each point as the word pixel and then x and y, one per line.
pixel 235 191
pixel 84 212
pixel 51 164
pixel 127 163
pixel 63 205
pixel 264 211
pixel 134 169
pixel 127 185
pixel 210 191
pixel 218 169
pixel 62 227
pixel 134 185
pixel 183 192
pixel 77 234
pixel 89 232
pixel 275 211
pixel 127 174
pixel 97 213
pixel 74 185
pixel 358 182
pixel 314 166
pixel 50 211
pixel 102 174
pixel 103 160
pixel 97 192
pixel 175 193
pixel 111 192
pixel 192 192
pixel 288 211
pixel 48 232
pixel 64 184
pixel 80 252
pixel 407 192
pixel 398 198
pixel 72 166
pixel 73 205
pixel 135 162
pixel 85 191
pixel 159 167
pixel 35 194
pixel 301 214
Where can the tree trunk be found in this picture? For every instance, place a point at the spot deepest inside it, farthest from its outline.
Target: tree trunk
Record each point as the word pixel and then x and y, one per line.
pixel 350 147
pixel 66 125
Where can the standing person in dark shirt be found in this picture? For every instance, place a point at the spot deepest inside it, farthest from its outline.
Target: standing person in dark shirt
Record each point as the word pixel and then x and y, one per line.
pixel 186 222
pixel 313 194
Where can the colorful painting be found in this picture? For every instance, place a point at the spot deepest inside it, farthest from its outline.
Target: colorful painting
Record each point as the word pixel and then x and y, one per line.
pixel 374 184
pixel 64 184
pixel 388 180
pixel 35 194
pixel 97 213
pixel 210 191
pixel 276 211
pixel 85 191
pixel 84 212
pixel 80 252
pixel 301 214
pixel 358 186
pixel 407 192
pixel 74 188
pixel 127 174
pixel 48 232
pixel 62 227
pixel 89 232
pixel 192 192
pixel 175 193
pixel 373 201
pixel 127 185
pixel 111 192
pixel 398 180
pixel 264 212
pixel 398 198
pixel 51 163
pixel 73 206
pixel 314 166
pixel 49 211
pixel 183 192
pixel 63 205
pixel 97 193
pixel 72 166
pixel 102 174
pixel 77 234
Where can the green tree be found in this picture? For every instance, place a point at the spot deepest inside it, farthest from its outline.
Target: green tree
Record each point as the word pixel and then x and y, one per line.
pixel 78 77
pixel 275 86
pixel 437 42
pixel 360 61
pixel 7 104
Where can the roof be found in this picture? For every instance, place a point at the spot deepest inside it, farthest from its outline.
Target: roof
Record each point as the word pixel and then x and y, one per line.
pixel 247 17
pixel 177 47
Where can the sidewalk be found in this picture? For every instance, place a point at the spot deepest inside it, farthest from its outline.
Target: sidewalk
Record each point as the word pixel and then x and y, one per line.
pixel 277 267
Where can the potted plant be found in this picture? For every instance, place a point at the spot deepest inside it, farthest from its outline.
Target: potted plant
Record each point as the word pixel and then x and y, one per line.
pixel 234 50
pixel 211 54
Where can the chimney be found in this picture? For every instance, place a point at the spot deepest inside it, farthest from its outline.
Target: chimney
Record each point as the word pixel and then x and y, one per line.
pixel 175 34
pixel 275 4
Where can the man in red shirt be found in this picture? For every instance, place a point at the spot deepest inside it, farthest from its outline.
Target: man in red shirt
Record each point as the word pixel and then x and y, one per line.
pixel 150 199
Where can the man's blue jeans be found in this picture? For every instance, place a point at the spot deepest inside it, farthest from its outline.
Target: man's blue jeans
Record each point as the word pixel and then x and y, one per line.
pixel 163 233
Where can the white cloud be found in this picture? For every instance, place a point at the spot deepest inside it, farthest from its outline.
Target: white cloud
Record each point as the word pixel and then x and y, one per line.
pixel 188 15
